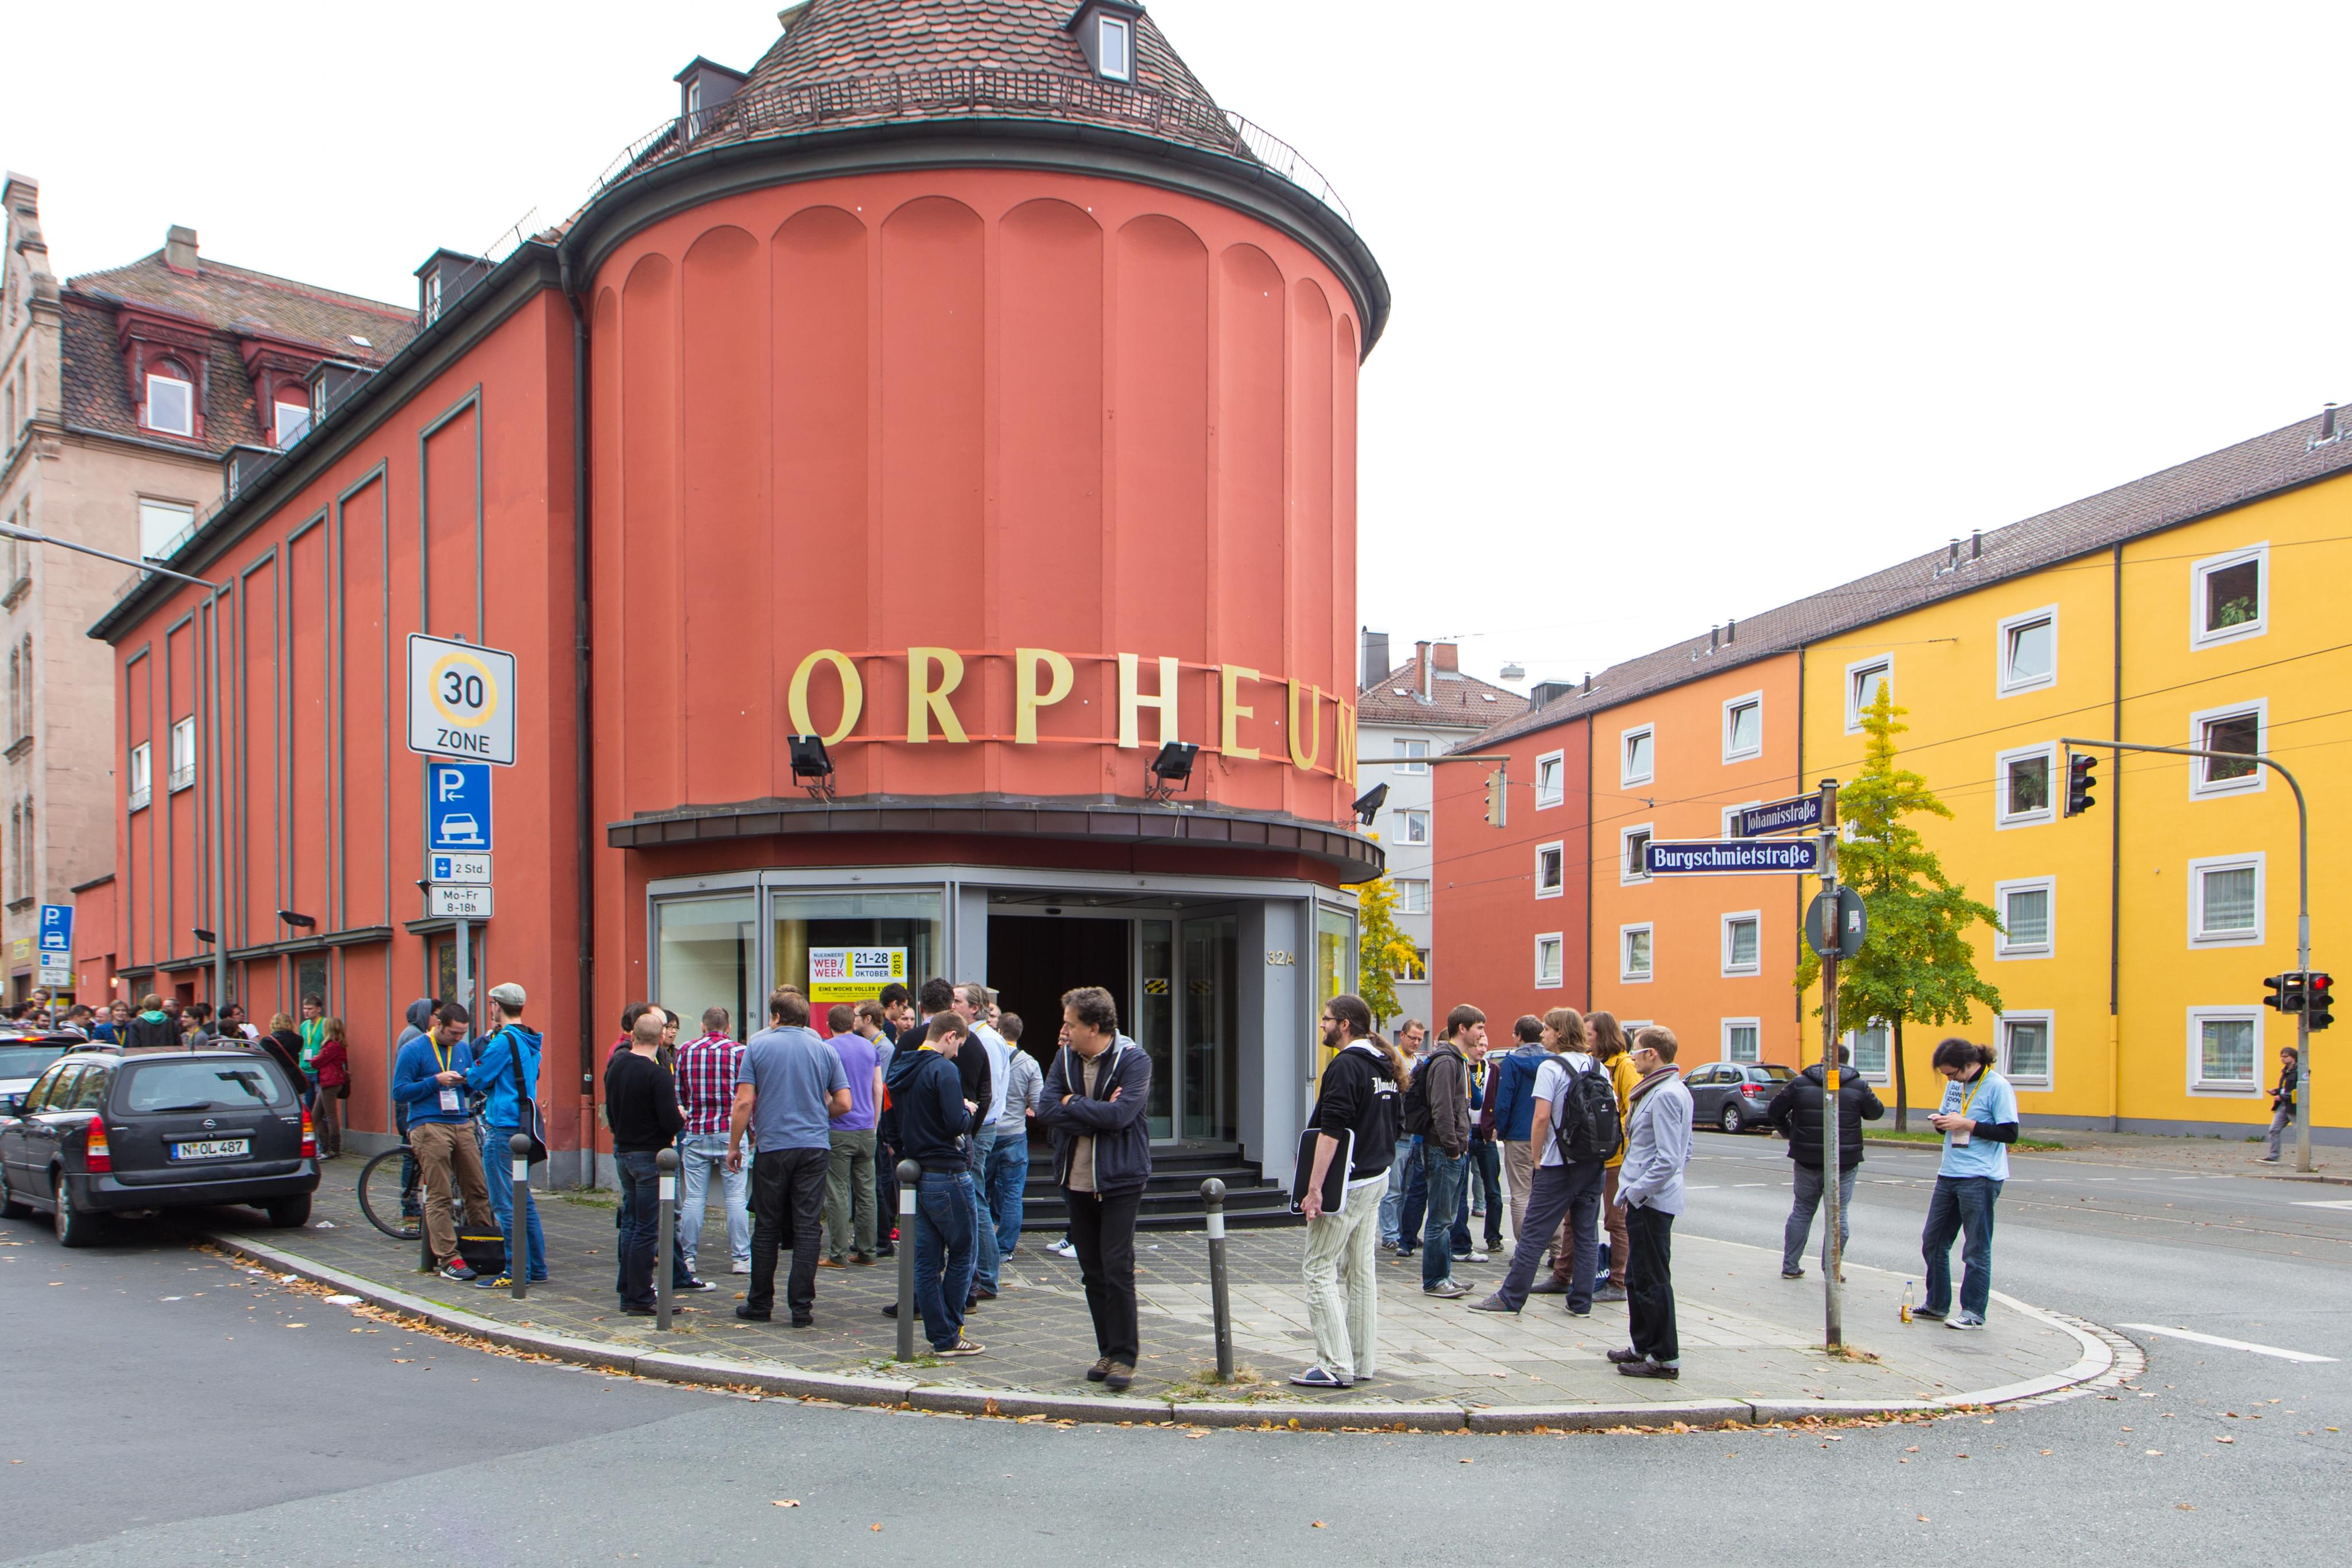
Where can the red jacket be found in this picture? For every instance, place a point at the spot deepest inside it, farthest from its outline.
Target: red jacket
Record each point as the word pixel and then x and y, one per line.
pixel 333 1064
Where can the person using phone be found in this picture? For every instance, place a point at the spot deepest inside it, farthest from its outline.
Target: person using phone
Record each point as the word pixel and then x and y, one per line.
pixel 1355 1108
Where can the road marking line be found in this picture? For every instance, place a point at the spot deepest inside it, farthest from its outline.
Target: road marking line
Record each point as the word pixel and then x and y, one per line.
pixel 2226 1343
pixel 2324 1203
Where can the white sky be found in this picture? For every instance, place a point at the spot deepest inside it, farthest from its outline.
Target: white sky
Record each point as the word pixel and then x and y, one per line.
pixel 1698 309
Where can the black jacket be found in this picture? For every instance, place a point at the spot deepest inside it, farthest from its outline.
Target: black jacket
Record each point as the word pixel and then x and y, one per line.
pixel 151 1032
pixel 1796 1112
pixel 928 1097
pixel 1359 1095
pixel 1122 1138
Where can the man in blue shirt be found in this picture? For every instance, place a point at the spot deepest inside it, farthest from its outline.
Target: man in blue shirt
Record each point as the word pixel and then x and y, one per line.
pixel 787 1092
pixel 507 1069
pixel 1978 1121
pixel 429 1079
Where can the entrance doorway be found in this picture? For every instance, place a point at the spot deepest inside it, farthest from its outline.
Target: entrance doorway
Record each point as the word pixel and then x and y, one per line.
pixel 1034 958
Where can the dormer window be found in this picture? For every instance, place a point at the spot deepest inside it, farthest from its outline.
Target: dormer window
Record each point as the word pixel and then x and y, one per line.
pixel 293 419
pixel 170 403
pixel 1115 47
pixel 432 298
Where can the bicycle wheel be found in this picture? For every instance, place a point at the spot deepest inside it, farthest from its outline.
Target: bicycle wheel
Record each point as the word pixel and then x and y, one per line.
pixel 387 1199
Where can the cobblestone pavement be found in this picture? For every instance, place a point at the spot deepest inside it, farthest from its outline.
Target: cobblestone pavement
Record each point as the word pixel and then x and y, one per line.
pixel 1747 1333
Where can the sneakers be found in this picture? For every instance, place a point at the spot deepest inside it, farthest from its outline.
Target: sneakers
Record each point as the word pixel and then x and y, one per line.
pixel 887 1249
pixel 1928 1314
pixel 744 1268
pixel 1610 1293
pixel 1063 1249
pixel 1961 1321
pixel 1548 1286
pixel 637 1312
pixel 503 1281
pixel 1388 1246
pixel 1099 1371
pixel 1119 1377
pixel 456 1269
pixel 694 1284
pixel 833 1262
pixel 748 1316
pixel 2267 1159
pixel 1316 1377
pixel 1494 1303
pixel 863 1259
pixel 889 1309
pixel 1626 1357
pixel 1792 1273
pixel 1479 1257
pixel 1647 1368
pixel 963 1347
pixel 1449 1290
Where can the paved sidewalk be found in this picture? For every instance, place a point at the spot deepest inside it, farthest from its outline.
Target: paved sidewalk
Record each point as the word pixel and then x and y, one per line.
pixel 1747 1335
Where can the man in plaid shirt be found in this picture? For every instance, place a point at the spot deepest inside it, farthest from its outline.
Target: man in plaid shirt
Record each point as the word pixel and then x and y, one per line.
pixel 705 1092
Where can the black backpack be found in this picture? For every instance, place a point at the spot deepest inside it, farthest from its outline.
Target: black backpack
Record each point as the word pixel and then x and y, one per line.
pixel 1416 1104
pixel 1588 1128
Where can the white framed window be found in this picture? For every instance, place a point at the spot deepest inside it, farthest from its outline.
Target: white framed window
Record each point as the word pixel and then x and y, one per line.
pixel 1638 750
pixel 2029 651
pixel 1412 756
pixel 1415 968
pixel 1635 959
pixel 1551 948
pixel 433 297
pixel 2230 596
pixel 1551 870
pixel 1115 47
pixel 1743 728
pixel 1552 779
pixel 1743 1039
pixel 161 522
pixel 1731 817
pixel 1631 842
pixel 184 752
pixel 170 405
pixel 1863 679
pixel 1743 940
pixel 2242 728
pixel 293 419
pixel 1873 1049
pixel 2225 900
pixel 2026 1054
pixel 2028 909
pixel 2025 785
pixel 141 774
pixel 1412 895
pixel 2225 1050
pixel 1412 826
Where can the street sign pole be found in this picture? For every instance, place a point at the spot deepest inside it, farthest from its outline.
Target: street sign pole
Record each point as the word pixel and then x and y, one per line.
pixel 1833 1301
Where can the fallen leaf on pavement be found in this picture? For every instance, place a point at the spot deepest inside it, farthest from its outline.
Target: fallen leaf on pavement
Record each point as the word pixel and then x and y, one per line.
pixel 788 1503
pixel 1319 1524
pixel 2225 1439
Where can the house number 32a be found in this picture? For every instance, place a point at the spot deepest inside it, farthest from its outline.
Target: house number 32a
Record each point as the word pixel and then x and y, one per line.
pixel 1276 958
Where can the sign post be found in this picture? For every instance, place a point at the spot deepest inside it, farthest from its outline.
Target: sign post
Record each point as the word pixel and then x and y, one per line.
pixel 1831 951
pixel 56 946
pixel 461 714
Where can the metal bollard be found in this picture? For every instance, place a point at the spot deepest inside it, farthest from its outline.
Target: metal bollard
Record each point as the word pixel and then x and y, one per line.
pixel 519 1238
pixel 911 1177
pixel 1213 1195
pixel 665 1237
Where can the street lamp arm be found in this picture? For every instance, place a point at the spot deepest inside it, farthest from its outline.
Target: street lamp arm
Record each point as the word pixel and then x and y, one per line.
pixel 30 537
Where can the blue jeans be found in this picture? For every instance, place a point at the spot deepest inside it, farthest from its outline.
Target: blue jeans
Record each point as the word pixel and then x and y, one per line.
pixel 943 1254
pixel 640 1222
pixel 985 1261
pixel 497 1165
pixel 1959 1205
pixel 699 1155
pixel 1393 1201
pixel 1461 1231
pixel 1442 1174
pixel 1487 1173
pixel 1008 1176
pixel 1414 1209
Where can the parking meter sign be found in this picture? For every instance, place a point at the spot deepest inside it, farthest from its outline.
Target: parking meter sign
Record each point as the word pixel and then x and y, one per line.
pixel 461 700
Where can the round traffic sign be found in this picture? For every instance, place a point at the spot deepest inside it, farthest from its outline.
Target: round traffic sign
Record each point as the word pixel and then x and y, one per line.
pixel 1836 923
pixel 464 690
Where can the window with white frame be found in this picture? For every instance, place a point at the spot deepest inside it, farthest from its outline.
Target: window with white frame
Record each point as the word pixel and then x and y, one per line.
pixel 1638 747
pixel 1115 47
pixel 2027 906
pixel 161 522
pixel 170 403
pixel 2029 651
pixel 1552 779
pixel 2239 729
pixel 1413 756
pixel 1743 943
pixel 2225 900
pixel 139 777
pixel 1412 826
pixel 1550 949
pixel 1862 680
pixel 2025 788
pixel 1731 815
pixel 1414 968
pixel 1633 955
pixel 2225 1050
pixel 2230 597
pixel 1873 1049
pixel 2025 1048
pixel 293 419
pixel 1412 895
pixel 1743 728
pixel 1633 841
pixel 1743 1039
pixel 1551 870
pixel 184 752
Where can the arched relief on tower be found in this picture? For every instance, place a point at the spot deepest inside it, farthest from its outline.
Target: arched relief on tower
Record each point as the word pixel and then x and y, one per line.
pixel 725 533
pixel 1252 569
pixel 1313 559
pixel 649 540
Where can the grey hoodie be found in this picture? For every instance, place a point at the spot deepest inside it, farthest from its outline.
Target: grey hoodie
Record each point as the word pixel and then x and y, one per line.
pixel 420 1017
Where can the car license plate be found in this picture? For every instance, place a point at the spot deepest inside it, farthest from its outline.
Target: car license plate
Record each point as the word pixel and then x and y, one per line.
pixel 213 1149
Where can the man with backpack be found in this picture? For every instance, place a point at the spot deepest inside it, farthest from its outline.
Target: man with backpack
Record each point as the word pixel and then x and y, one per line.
pixel 1573 1131
pixel 506 1067
pixel 1437 1112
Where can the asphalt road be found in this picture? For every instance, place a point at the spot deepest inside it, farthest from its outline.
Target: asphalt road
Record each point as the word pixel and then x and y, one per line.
pixel 165 1410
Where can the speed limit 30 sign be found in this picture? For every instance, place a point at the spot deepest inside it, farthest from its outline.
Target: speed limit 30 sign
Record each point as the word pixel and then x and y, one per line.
pixel 460 700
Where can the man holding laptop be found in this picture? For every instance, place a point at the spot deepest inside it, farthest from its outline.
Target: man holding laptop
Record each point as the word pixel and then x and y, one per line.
pixel 1354 1119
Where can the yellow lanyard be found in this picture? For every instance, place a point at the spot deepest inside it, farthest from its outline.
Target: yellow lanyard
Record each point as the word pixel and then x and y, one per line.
pixel 441 1054
pixel 1969 1094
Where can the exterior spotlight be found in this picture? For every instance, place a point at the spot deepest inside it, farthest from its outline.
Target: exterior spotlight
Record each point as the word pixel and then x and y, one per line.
pixel 1170 770
pixel 1368 803
pixel 299 922
pixel 812 765
pixel 204 936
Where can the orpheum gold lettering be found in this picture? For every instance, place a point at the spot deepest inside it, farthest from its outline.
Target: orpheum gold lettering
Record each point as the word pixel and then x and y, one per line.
pixel 1026 698
pixel 853 695
pixel 925 701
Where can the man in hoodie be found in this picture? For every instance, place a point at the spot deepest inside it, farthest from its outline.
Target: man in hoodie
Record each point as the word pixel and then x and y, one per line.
pixel 1510 1108
pixel 429 1076
pixel 1093 1107
pixel 1650 1188
pixel 1442 1087
pixel 506 1067
pixel 1797 1111
pixel 419 1017
pixel 933 1120
pixel 152 1027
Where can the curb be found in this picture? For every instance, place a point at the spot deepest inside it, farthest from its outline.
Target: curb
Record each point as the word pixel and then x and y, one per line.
pixel 899 1393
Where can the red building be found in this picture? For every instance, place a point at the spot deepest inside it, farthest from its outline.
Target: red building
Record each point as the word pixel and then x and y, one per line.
pixel 960 386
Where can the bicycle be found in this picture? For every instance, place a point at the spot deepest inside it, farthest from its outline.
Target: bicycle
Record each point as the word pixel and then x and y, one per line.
pixel 392 1192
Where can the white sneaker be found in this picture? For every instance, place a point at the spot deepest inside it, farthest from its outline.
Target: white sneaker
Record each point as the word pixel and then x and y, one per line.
pixel 1963 1321
pixel 1063 1249
pixel 1479 1257
pixel 740 1268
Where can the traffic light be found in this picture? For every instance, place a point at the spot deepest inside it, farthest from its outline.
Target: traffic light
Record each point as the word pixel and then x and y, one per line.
pixel 2287 991
pixel 2079 779
pixel 1497 798
pixel 2318 993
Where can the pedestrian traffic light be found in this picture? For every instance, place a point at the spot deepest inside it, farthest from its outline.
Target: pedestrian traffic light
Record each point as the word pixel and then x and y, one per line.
pixel 2286 992
pixel 2079 779
pixel 1497 798
pixel 2318 997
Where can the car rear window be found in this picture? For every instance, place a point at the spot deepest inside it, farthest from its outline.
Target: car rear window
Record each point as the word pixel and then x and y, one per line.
pixel 1776 1072
pixel 26 1061
pixel 215 1084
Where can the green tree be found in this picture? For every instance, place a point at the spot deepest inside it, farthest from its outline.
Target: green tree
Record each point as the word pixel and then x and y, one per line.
pixel 1382 952
pixel 1915 965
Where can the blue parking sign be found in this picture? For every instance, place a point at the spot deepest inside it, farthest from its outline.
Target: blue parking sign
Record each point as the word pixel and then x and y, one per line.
pixel 57 934
pixel 457 805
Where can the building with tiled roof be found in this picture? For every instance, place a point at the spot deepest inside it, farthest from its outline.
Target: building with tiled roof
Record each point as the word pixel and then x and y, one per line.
pixel 122 394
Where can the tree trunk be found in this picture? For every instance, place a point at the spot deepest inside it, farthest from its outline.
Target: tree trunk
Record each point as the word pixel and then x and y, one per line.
pixel 1902 1099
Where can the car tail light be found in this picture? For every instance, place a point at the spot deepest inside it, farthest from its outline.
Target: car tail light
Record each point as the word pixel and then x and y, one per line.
pixel 97 1156
pixel 310 1139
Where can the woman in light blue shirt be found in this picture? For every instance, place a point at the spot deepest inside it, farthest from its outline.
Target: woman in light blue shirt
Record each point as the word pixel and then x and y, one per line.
pixel 1978 1121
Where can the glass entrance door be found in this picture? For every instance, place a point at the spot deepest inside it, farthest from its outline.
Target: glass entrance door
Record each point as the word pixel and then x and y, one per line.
pixel 1208 1091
